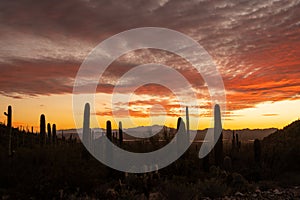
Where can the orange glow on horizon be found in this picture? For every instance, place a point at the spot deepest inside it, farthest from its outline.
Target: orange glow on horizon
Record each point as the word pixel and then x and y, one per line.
pixel 58 110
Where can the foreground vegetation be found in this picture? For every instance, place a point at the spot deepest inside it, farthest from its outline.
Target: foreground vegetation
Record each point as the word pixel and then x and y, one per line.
pixel 41 166
pixel 61 172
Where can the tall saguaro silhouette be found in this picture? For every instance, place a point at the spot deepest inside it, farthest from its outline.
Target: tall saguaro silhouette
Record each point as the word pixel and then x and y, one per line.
pixel 120 133
pixel 187 121
pixel 86 132
pixel 54 139
pixel 182 137
pixel 42 130
pixel 86 126
pixel 49 133
pixel 218 136
pixel 8 114
pixel 108 130
pixel 108 147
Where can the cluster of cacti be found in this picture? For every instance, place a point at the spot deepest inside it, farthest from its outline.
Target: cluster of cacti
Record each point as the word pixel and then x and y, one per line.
pixel 88 136
pixel 48 137
pixel 22 136
pixel 218 136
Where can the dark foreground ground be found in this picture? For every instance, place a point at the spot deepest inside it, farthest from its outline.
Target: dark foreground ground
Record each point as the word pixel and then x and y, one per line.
pixel 64 171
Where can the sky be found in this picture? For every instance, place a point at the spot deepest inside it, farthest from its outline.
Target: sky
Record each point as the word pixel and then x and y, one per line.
pixel 254 44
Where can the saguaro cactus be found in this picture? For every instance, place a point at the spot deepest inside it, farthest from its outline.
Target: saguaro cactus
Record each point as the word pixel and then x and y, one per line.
pixel 218 136
pixel 42 129
pixel 91 140
pixel 120 133
pixel 71 138
pixel 238 143
pixel 233 141
pixel 109 149
pixel 187 120
pixel 49 133
pixel 86 126
pixel 182 137
pixel 8 114
pixel 54 139
pixel 63 138
pixel 108 130
pixel 86 132
pixel 257 151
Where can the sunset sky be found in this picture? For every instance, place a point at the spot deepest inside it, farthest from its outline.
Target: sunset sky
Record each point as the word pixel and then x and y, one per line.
pixel 255 45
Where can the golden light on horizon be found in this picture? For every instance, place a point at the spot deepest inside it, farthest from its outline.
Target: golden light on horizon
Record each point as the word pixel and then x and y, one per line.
pixel 58 110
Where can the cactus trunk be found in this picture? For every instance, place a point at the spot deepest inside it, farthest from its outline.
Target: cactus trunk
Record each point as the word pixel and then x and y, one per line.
pixel 108 130
pixel 120 133
pixel 187 121
pixel 182 137
pixel 109 149
pixel 233 141
pixel 9 116
pixel 54 140
pixel 218 136
pixel 49 133
pixel 86 126
pixel 42 130
pixel 9 129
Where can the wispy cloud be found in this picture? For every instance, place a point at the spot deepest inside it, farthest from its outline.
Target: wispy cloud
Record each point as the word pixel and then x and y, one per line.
pixel 269 115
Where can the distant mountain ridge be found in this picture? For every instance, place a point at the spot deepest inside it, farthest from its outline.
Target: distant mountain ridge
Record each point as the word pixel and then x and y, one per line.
pixel 289 132
pixel 282 148
pixel 244 134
